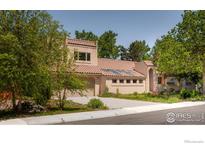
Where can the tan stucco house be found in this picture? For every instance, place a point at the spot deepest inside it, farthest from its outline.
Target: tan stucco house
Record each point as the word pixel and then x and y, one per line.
pixel 115 76
pixel 118 76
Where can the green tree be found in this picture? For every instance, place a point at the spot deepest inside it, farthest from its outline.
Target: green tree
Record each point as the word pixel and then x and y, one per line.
pixel 191 32
pixel 64 77
pixel 107 47
pixel 172 58
pixel 19 41
pixel 86 35
pixel 31 44
pixel 138 51
pixel 123 52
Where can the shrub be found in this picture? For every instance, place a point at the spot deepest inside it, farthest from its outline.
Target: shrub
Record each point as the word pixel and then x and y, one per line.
pixel 194 93
pixel 135 93
pixel 185 93
pixel 29 107
pixel 96 104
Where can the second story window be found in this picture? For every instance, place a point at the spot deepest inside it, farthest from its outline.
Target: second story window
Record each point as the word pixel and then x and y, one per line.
pixel 82 56
pixel 121 81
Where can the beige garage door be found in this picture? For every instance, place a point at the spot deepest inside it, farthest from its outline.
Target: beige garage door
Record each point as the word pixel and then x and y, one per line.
pixel 90 87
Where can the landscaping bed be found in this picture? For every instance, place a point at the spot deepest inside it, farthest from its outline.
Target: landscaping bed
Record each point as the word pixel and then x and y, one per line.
pixel 52 108
pixel 170 98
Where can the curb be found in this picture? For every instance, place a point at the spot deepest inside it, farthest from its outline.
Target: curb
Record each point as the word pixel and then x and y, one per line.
pixel 64 118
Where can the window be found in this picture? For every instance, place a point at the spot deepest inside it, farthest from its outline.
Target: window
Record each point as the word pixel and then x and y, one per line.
pixel 83 56
pixel 114 81
pixel 121 81
pixel 134 81
pixel 75 55
pixel 140 81
pixel 159 80
pixel 128 81
pixel 88 56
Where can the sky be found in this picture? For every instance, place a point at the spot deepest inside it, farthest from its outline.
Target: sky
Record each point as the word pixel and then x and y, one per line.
pixel 129 25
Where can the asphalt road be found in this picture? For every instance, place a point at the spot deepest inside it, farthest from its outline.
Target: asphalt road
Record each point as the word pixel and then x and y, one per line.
pixel 181 116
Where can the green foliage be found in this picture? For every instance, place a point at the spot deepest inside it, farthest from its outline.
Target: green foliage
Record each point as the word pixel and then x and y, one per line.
pixel 191 31
pixel 171 57
pixel 96 104
pixel 123 52
pixel 147 97
pixel 107 47
pixel 86 35
pixel 185 93
pixel 65 79
pixel 32 48
pixel 138 51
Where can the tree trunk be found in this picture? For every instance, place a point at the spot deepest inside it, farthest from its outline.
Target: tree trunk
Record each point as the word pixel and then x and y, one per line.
pixel 64 94
pixel 179 81
pixel 14 100
pixel 203 78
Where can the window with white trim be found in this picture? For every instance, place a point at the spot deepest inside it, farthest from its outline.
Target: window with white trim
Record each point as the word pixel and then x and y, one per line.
pixel 82 56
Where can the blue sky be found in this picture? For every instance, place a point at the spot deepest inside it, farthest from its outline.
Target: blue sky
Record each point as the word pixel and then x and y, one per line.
pixel 130 25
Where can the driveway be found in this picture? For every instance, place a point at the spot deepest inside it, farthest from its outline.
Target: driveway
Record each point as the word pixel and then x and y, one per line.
pixel 113 103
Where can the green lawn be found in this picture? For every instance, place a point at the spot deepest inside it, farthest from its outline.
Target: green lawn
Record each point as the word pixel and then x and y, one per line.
pixel 52 109
pixel 174 98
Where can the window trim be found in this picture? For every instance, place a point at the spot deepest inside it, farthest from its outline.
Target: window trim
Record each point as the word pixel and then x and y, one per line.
pixel 77 56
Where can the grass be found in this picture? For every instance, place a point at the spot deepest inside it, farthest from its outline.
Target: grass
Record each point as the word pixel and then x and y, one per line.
pixel 174 98
pixel 51 109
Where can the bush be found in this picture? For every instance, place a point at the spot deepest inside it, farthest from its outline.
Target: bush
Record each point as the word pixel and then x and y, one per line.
pixel 135 93
pixel 194 93
pixel 29 107
pixel 96 104
pixel 108 95
pixel 185 93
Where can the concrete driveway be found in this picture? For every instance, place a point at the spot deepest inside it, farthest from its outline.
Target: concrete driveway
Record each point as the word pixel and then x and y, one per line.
pixel 113 103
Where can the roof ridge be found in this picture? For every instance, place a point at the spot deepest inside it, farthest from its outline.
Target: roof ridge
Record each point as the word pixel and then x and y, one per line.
pixel 117 60
pixel 74 39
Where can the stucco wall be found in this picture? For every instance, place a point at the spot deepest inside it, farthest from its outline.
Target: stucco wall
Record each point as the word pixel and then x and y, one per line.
pixel 125 88
pixel 80 48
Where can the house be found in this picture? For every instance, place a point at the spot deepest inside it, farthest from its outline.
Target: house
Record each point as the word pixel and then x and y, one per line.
pixel 108 75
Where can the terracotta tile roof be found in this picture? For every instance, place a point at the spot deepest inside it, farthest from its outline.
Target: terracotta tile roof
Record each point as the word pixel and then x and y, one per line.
pixel 118 67
pixel 115 64
pixel 81 42
pixel 88 69
pixel 110 67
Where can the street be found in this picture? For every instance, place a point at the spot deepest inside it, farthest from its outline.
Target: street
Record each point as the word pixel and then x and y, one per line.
pixel 185 116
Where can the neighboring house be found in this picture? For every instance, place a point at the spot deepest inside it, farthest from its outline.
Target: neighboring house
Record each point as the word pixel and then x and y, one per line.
pixel 115 76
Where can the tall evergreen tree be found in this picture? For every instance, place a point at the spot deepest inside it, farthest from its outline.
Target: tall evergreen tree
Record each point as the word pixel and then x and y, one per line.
pixel 107 47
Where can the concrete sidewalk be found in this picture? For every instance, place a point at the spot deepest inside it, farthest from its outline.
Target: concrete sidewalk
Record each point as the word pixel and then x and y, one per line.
pixel 63 118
